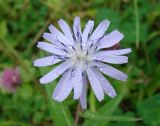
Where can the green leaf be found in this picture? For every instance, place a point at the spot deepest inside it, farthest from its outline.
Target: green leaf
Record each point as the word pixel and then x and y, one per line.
pixel 110 15
pixel 95 116
pixel 3 29
pixel 59 111
pixel 12 123
pixel 149 110
pixel 106 110
pixel 126 123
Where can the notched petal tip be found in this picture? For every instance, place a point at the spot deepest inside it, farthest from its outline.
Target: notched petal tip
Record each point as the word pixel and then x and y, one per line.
pixel 39 44
pixel 120 33
pixel 91 21
pixel 77 17
pixel 101 99
pixel 50 26
pixel 130 50
pixel 44 34
pixel 56 98
pixel 107 21
pixel 124 78
pixel 112 95
pixel 83 108
pixel 75 97
pixel 61 21
pixel 43 81
pixel 34 63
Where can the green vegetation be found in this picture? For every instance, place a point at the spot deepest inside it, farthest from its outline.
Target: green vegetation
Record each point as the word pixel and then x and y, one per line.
pixel 22 23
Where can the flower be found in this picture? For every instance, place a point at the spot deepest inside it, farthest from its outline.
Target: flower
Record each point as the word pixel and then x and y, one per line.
pixel 82 59
pixel 10 79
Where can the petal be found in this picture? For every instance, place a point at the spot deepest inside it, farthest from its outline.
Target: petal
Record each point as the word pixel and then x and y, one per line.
pixel 88 29
pixel 59 86
pixel 54 30
pixel 64 87
pixel 56 72
pixel 110 40
pixel 95 84
pixel 113 52
pixel 46 61
pixel 77 29
pixel 107 87
pixel 100 30
pixel 77 82
pixel 63 39
pixel 83 96
pixel 112 59
pixel 49 37
pixel 50 48
pixel 56 36
pixel 66 29
pixel 110 71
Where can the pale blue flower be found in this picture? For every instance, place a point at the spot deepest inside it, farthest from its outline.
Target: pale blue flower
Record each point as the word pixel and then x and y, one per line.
pixel 82 58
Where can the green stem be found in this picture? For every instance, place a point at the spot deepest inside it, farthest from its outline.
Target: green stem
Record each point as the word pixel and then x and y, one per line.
pixel 147 57
pixel 137 29
pixel 92 102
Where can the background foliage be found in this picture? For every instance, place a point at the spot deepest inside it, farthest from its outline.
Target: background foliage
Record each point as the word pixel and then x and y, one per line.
pixel 22 23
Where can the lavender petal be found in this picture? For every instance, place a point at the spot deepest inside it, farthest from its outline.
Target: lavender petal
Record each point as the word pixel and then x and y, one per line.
pixel 46 61
pixel 100 30
pixel 112 59
pixel 56 36
pixel 50 48
pixel 77 29
pixel 110 71
pixel 95 84
pixel 88 29
pixel 59 86
pixel 64 87
pixel 83 96
pixel 113 52
pixel 66 29
pixel 110 40
pixel 77 82
pixel 49 37
pixel 56 72
pixel 54 30
pixel 107 87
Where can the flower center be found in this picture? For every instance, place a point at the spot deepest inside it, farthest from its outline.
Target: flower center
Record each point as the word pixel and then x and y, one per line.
pixel 78 55
pixel 81 55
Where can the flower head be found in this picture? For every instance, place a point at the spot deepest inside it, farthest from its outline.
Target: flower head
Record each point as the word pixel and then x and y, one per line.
pixel 82 58
pixel 10 79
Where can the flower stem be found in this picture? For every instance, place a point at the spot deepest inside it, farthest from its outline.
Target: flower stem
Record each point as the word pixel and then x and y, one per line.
pixel 76 120
pixel 137 30
pixel 92 102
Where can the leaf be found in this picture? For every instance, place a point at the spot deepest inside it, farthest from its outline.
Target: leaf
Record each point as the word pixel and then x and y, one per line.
pixel 59 112
pixel 95 116
pixel 126 123
pixel 110 15
pixel 3 29
pixel 106 111
pixel 12 123
pixel 128 29
pixel 149 110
